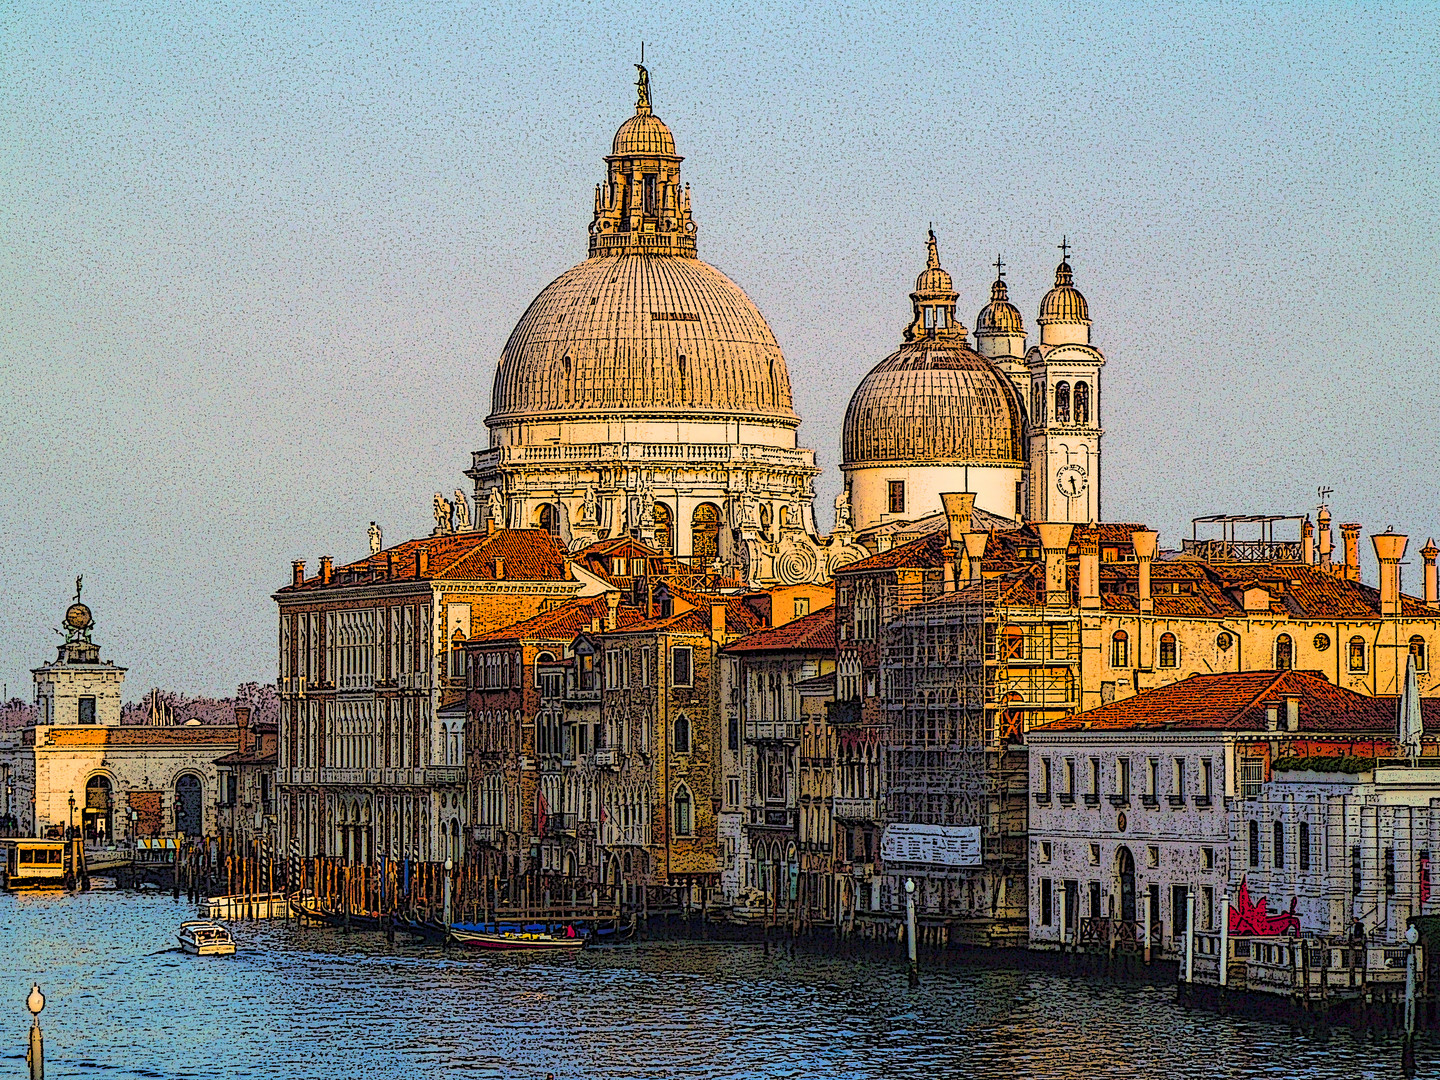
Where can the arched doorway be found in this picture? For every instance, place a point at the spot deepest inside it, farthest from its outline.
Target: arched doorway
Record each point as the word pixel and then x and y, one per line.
pixel 664 529
pixel 99 816
pixel 548 518
pixel 1126 866
pixel 189 817
pixel 705 533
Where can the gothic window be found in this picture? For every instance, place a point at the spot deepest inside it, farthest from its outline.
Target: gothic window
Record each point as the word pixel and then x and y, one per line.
pixel 705 533
pixel 1082 403
pixel 1169 652
pixel 1418 651
pixel 457 655
pixel 1357 654
pixel 683 823
pixel 1037 403
pixel 897 496
pixel 1120 650
pixel 1062 403
pixel 682 734
pixel 1284 653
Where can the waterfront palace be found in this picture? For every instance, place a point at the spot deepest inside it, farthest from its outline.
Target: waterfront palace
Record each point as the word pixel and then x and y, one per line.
pixel 630 659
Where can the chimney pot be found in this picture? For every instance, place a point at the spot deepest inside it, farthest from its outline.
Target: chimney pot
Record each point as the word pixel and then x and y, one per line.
pixel 297 572
pixel 1432 584
pixel 499 568
pixel 389 564
pixel 1144 542
pixel 959 509
pixel 327 569
pixel 612 605
pixel 717 620
pixel 1292 713
pixel 1389 550
pixel 975 552
pixel 1055 539
pixel 1090 570
pixel 1325 537
pixel 422 562
pixel 1350 531
pixel 1307 542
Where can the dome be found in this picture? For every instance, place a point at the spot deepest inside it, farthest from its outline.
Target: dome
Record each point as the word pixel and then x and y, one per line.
pixel 934 401
pixel 642 336
pixel 1064 303
pixel 644 134
pixel 934 279
pixel 1000 316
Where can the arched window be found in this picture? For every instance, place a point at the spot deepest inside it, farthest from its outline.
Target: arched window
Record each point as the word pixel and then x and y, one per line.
pixel 1284 653
pixel 1082 403
pixel 1169 651
pixel 1037 404
pixel 1254 844
pixel 705 533
pixel 548 518
pixel 1357 654
pixel 664 528
pixel 682 734
pixel 1062 403
pixel 1120 649
pixel 1419 652
pixel 684 825
pixel 457 655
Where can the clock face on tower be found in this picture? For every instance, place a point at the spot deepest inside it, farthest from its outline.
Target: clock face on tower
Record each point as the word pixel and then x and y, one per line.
pixel 1071 481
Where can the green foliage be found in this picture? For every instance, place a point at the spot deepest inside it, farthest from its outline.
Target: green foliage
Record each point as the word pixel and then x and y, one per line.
pixel 1324 764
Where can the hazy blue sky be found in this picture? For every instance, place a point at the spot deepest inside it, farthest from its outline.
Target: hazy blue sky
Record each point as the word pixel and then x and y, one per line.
pixel 257 262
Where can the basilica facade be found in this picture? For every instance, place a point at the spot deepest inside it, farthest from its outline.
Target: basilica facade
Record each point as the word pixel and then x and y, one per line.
pixel 643 394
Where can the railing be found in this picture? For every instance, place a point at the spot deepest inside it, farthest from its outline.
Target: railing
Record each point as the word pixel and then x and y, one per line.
pixel 605 758
pixel 697 452
pixel 556 824
pixel 485 834
pixel 1128 934
pixel 445 774
pixel 1243 550
pixel 771 731
pixel 850 809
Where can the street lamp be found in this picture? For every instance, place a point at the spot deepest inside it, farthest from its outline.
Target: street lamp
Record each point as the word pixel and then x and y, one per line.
pixel 72 813
pixel 35 1056
pixel 910 929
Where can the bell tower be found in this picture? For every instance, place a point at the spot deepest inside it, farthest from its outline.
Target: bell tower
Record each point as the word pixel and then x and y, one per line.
pixel 1065 426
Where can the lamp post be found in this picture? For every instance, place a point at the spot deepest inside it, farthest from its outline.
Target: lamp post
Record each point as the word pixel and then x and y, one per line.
pixel 449 866
pixel 72 813
pixel 910 930
pixel 35 1055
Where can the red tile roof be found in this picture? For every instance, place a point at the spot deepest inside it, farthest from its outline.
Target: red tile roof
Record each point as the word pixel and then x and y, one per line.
pixel 739 619
pixel 528 554
pixel 1238 701
pixel 562 623
pixel 809 633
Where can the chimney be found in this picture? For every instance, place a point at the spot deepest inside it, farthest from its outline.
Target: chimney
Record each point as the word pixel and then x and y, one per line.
pixel 499 568
pixel 958 508
pixel 1055 539
pixel 1090 570
pixel 1144 541
pixel 1272 716
pixel 909 587
pixel 612 603
pixel 1350 532
pixel 490 526
pixel 327 569
pixel 1428 553
pixel 245 737
pixel 1389 550
pixel 1324 519
pixel 975 552
pixel 422 562
pixel 595 625
pixel 1307 542
pixel 297 572
pixel 717 619
pixel 389 564
pixel 1292 712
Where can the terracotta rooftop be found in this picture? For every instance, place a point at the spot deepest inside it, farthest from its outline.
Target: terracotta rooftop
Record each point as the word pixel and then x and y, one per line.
pixel 1239 701
pixel 561 623
pixel 144 735
pixel 809 633
pixel 739 619
pixel 527 554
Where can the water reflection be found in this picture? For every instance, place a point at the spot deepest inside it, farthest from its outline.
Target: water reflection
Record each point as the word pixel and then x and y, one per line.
pixel 310 1002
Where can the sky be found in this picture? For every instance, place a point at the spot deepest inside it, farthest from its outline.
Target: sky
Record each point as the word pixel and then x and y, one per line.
pixel 258 261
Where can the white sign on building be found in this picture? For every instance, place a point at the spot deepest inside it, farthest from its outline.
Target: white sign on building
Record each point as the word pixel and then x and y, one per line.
pixel 941 845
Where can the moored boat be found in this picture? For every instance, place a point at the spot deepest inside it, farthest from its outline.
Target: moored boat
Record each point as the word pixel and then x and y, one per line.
pixel 518 939
pixel 201 937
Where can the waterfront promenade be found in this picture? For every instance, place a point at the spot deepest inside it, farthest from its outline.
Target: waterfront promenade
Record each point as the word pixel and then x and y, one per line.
pixel 311 1002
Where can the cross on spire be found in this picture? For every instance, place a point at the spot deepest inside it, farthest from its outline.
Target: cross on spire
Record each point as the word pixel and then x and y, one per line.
pixel 999 269
pixel 1064 247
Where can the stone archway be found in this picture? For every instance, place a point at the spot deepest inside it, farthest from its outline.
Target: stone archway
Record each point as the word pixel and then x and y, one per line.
pixel 1125 870
pixel 98 820
pixel 189 805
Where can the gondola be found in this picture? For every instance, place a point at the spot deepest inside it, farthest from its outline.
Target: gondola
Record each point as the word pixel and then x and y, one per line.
pixel 354 920
pixel 428 930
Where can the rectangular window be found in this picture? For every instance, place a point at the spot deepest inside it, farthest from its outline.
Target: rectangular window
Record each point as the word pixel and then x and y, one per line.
pixel 1389 871
pixel 625 671
pixel 897 496
pixel 1179 791
pixel 1205 778
pixel 732 788
pixel 1094 899
pixel 1094 854
pixel 1152 856
pixel 1179 894
pixel 1207 858
pixel 733 737
pixel 1279 845
pixel 1095 777
pixel 802 606
pixel 1302 845
pixel 680 672
pixel 1045 777
pixel 1045 851
pixel 1356 881
pixel 1122 777
pixel 1152 778
pixel 87 710
pixel 1019 500
pixel 645 666
pixel 1047 901
pixel 1070 777
pixel 1152 897
pixel 1207 907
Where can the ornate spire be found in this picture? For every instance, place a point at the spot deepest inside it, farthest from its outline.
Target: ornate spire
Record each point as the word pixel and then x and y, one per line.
pixel 933 300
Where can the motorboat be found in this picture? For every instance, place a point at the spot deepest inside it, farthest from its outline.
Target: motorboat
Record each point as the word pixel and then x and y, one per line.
pixel 201 937
pixel 519 938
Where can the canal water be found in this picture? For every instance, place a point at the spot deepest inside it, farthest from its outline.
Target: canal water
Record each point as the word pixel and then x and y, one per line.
pixel 314 1003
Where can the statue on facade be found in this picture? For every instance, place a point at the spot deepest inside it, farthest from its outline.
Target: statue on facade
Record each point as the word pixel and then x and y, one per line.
pixel 642 89
pixel 496 507
pixel 376 539
pixel 588 514
pixel 462 512
pixel 842 511
pixel 443 511
pixel 647 504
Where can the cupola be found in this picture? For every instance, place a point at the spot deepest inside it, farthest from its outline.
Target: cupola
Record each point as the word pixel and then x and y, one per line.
pixel 1064 315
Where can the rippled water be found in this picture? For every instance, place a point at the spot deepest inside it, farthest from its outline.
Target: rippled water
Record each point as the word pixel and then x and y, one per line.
pixel 313 1003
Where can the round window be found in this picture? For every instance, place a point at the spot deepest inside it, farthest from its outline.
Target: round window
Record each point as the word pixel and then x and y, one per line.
pixel 1322 642
pixel 1223 642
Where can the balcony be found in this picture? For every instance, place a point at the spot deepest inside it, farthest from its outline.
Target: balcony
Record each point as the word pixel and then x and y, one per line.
pixel 1092 798
pixel 774 817
pixel 771 731
pixel 856 809
pixel 1120 798
pixel 605 759
pixel 1042 798
pixel 559 824
pixel 350 683
pixel 485 834
pixel 444 774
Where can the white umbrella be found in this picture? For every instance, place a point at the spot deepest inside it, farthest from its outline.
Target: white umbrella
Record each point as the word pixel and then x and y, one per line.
pixel 1411 725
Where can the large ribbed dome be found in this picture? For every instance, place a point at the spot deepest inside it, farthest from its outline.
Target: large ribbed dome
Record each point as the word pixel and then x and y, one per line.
pixel 934 401
pixel 643 133
pixel 642 335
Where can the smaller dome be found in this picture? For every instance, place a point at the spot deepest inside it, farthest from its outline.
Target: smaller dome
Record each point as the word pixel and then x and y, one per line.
pixel 1000 316
pixel 644 133
pixel 1063 303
